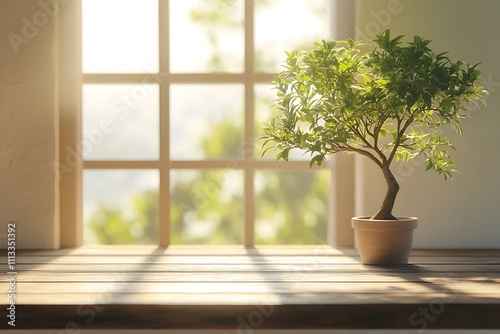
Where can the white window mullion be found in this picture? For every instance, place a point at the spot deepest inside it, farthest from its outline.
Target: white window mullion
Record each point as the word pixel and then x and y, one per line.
pixel 125 78
pixel 96 164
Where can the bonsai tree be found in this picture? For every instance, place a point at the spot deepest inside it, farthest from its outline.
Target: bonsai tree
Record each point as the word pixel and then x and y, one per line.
pixel 387 103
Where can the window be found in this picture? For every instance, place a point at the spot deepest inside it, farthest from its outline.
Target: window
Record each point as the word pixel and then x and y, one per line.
pixel 172 95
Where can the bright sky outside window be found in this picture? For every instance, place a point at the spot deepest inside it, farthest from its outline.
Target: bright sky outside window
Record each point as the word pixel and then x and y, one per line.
pixel 112 114
pixel 286 25
pixel 209 108
pixel 120 36
pixel 207 36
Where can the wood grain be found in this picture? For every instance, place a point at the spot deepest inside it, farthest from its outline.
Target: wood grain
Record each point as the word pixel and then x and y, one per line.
pixel 233 287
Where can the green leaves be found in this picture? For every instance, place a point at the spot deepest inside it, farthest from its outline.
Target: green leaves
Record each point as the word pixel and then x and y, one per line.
pixel 411 99
pixel 283 154
pixel 438 159
pixel 385 42
pixel 427 100
pixel 317 159
pixel 384 104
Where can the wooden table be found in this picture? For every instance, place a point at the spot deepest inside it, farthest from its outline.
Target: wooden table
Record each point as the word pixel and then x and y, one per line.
pixel 315 287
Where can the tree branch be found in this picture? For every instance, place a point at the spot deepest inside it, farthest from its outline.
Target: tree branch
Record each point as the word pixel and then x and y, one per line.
pixel 401 132
pixel 377 129
pixel 396 144
pixel 373 147
pixel 362 152
pixel 375 141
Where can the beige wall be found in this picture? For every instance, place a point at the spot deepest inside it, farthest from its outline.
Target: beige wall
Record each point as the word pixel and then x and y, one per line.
pixel 461 213
pixel 28 186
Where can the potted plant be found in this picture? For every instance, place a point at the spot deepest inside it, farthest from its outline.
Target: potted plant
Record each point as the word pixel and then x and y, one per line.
pixel 387 103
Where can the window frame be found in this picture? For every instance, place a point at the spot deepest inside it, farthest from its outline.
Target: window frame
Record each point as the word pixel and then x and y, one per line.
pixel 71 79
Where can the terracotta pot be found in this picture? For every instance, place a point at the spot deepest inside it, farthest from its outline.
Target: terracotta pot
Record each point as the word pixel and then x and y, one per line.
pixel 384 241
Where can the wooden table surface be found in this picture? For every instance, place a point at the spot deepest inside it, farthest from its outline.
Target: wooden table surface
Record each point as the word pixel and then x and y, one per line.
pixel 315 287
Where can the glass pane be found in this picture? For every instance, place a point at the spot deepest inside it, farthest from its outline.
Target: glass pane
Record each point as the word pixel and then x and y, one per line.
pixel 264 113
pixel 206 207
pixel 291 207
pixel 284 25
pixel 120 36
pixel 120 122
pixel 206 121
pixel 206 36
pixel 120 207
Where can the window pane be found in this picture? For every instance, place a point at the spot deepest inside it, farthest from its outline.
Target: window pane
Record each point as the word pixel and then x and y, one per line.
pixel 264 113
pixel 287 25
pixel 291 207
pixel 120 207
pixel 120 122
pixel 120 36
pixel 206 36
pixel 206 207
pixel 206 121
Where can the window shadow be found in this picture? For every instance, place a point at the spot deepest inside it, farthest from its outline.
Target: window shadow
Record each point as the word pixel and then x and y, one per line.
pixel 440 275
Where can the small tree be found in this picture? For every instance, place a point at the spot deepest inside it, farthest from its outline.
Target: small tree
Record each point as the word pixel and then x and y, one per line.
pixel 384 104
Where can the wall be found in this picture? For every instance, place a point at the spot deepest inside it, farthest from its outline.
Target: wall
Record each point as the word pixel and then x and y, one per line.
pixel 460 213
pixel 28 187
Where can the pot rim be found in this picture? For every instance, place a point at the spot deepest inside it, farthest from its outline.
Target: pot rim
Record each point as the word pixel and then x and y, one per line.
pixel 403 223
pixel 399 219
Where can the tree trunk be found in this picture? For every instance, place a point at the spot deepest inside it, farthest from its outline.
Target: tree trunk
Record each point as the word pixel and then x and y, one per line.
pixel 385 212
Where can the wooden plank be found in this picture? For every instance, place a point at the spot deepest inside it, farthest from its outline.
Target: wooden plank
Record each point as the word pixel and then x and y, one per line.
pixel 149 286
pixel 247 318
pixel 231 267
pixel 313 250
pixel 352 298
pixel 240 259
pixel 172 259
pixel 217 276
pixel 476 288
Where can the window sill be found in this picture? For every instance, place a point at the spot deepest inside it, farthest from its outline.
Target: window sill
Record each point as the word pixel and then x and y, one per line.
pixel 315 287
